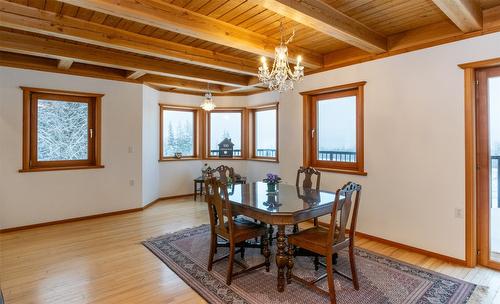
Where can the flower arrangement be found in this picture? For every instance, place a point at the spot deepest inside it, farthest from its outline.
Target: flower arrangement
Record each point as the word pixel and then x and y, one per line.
pixel 272 178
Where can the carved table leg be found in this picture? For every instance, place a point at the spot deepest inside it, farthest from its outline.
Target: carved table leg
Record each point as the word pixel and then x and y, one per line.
pixel 289 265
pixel 271 232
pixel 281 257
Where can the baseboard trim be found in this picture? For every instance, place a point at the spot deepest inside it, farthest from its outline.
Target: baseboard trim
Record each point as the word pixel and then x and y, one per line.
pixel 407 247
pixel 88 217
pixel 163 198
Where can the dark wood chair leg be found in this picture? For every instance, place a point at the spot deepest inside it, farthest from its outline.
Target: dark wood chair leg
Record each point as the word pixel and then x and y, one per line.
pixel 315 221
pixel 213 249
pixel 265 251
pixel 331 284
pixel 242 251
pixel 295 228
pixel 229 275
pixel 354 272
pixel 316 262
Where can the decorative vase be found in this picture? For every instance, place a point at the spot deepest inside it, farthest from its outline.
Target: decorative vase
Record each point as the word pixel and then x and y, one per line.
pixel 271 187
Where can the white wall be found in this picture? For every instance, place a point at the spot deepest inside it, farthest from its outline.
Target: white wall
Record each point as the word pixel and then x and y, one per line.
pixel 150 145
pixel 414 142
pixel 36 197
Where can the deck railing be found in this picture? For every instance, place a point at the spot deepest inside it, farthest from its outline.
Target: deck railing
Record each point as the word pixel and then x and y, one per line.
pixel 339 156
pixel 265 153
pixel 236 153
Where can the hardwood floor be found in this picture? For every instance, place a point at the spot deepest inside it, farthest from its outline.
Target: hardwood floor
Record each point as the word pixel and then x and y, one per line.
pixel 102 260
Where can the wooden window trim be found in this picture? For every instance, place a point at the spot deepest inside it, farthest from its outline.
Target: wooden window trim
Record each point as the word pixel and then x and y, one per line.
pixel 244 133
pixel 310 99
pixel 252 113
pixel 196 132
pixel 30 101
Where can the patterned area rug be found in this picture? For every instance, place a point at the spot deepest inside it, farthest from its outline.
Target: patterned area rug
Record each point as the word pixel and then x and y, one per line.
pixel 382 279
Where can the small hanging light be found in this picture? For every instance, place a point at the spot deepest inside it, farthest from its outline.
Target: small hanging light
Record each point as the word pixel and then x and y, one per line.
pixel 208 103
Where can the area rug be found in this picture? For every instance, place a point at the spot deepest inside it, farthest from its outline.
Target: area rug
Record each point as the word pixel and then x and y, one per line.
pixel 382 279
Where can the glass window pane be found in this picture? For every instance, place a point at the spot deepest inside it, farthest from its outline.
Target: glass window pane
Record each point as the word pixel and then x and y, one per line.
pixel 336 130
pixel 225 125
pixel 62 130
pixel 178 133
pixel 265 133
pixel 494 132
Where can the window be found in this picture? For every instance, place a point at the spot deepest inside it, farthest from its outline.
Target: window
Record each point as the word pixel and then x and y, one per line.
pixel 265 132
pixel 222 125
pixel 178 133
pixel 333 129
pixel 61 130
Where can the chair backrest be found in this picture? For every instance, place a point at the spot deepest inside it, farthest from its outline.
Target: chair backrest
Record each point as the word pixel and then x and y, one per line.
pixel 218 206
pixel 308 174
pixel 224 173
pixel 346 199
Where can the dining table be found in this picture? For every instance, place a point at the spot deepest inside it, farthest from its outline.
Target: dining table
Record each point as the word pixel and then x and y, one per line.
pixel 286 206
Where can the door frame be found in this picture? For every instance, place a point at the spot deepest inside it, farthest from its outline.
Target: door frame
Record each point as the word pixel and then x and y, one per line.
pixel 471 207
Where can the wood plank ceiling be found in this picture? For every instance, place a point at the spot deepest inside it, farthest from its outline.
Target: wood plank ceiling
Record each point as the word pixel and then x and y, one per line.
pixel 181 45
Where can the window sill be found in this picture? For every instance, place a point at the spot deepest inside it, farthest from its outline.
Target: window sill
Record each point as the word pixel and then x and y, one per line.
pixel 60 168
pixel 179 159
pixel 268 160
pixel 342 171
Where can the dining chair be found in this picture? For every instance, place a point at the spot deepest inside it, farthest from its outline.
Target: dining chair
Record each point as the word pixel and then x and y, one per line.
pixel 224 173
pixel 234 231
pixel 328 241
pixel 307 183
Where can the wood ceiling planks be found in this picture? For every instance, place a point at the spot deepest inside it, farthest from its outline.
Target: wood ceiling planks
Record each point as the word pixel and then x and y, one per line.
pixel 406 24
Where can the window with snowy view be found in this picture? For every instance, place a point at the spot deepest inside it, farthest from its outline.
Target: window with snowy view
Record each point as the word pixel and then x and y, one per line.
pixel 62 130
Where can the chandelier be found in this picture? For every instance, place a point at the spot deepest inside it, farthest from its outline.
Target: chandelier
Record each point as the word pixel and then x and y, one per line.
pixel 208 103
pixel 281 77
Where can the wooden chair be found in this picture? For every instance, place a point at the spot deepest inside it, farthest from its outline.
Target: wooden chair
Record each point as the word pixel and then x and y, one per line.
pixel 224 173
pixel 308 174
pixel 235 232
pixel 307 184
pixel 327 242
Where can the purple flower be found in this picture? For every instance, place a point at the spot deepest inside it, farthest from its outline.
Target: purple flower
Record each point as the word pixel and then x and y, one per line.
pixel 272 178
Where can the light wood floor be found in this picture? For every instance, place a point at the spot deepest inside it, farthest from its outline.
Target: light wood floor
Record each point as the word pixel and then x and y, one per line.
pixel 102 260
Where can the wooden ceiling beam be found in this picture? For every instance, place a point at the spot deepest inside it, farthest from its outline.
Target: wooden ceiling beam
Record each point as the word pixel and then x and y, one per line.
pixel 320 16
pixel 64 64
pixel 174 18
pixel 50 65
pixel 466 14
pixel 41 46
pixel 177 83
pixel 82 69
pixel 135 74
pixel 38 21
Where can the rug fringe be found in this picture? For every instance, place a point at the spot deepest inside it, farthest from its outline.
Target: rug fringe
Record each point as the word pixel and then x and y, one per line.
pixel 478 295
